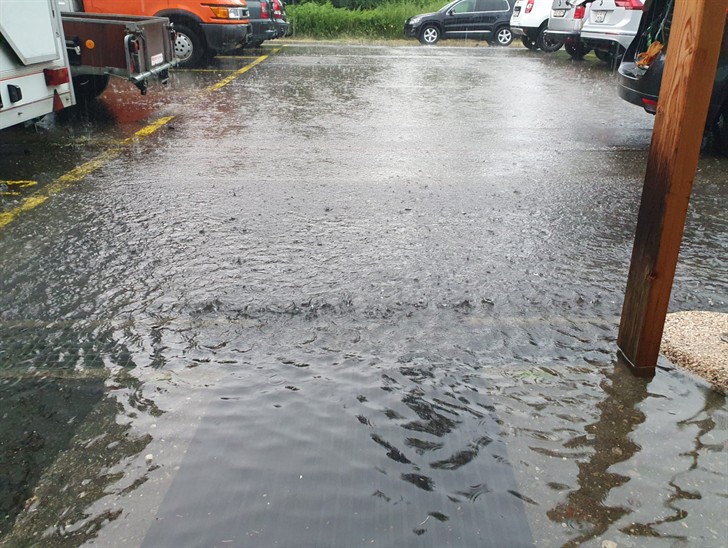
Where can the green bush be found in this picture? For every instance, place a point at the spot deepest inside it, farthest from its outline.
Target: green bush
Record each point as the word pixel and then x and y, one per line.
pixel 386 20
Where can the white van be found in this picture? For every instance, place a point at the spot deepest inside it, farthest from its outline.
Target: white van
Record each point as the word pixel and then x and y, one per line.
pixel 530 20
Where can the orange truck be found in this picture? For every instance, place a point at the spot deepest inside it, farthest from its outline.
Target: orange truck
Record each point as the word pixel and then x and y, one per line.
pixel 202 28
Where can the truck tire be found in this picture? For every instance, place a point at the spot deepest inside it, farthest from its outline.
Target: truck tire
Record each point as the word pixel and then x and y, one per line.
pixel 189 47
pixel 88 86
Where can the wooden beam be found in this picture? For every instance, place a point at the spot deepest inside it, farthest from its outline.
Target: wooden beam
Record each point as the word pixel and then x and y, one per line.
pixel 687 82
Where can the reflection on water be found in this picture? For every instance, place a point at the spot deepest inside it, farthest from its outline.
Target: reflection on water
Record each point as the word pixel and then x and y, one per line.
pixel 609 442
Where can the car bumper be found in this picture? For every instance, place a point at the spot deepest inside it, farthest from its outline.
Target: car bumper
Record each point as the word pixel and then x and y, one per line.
pixel 519 31
pixel 567 37
pixel 530 32
pixel 263 30
pixel 411 31
pixel 601 41
pixel 224 38
pixel 282 28
pixel 639 86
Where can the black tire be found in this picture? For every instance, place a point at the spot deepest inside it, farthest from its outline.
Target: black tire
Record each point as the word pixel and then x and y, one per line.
pixel 605 56
pixel 429 35
pixel 189 47
pixel 577 50
pixel 549 45
pixel 88 86
pixel 255 43
pixel 530 44
pixel 503 36
pixel 611 57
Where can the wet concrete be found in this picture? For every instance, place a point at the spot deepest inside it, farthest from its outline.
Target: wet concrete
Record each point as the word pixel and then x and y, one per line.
pixel 360 294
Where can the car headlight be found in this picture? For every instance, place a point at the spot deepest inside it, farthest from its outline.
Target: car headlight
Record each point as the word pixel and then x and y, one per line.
pixel 415 20
pixel 227 13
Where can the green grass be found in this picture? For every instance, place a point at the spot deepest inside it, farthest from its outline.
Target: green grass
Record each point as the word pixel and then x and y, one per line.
pixel 312 20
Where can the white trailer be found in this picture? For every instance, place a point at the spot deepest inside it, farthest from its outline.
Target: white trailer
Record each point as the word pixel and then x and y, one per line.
pixel 35 76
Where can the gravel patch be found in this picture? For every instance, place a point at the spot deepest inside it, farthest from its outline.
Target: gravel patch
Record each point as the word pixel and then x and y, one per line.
pixel 698 341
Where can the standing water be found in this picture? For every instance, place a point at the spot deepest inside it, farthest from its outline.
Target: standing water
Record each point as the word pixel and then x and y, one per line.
pixel 380 311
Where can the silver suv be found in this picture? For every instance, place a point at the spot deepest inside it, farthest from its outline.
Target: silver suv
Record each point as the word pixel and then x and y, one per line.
pixel 611 27
pixel 565 24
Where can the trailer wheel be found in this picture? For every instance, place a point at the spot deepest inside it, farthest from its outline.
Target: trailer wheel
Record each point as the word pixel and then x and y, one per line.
pixel 188 46
pixel 88 86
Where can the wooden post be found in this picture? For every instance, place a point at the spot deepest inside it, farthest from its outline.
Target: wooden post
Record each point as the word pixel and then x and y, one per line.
pixel 690 66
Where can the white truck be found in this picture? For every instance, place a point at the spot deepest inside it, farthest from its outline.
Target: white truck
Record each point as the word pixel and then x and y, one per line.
pixel 35 74
pixel 51 55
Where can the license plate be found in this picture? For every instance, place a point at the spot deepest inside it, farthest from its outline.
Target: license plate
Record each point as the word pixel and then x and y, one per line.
pixel 558 13
pixel 599 16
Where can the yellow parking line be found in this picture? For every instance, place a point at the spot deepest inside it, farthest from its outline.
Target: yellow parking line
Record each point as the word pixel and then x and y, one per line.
pixel 21 183
pixel 236 57
pixel 76 174
pixel 80 172
pixel 225 81
pixel 206 70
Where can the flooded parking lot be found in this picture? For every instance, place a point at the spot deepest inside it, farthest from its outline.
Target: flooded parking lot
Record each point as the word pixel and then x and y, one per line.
pixel 353 296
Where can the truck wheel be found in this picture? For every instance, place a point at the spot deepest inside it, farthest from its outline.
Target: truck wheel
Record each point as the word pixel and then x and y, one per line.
pixel 530 44
pixel 88 86
pixel 188 46
pixel 430 35
pixel 549 45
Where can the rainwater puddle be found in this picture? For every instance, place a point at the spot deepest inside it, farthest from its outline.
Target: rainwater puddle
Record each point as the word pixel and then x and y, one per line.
pixel 396 336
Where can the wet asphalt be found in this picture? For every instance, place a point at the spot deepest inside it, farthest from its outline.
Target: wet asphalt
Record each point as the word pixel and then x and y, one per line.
pixel 355 295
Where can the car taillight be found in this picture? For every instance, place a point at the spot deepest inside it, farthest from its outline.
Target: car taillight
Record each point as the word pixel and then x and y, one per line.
pixel 650 105
pixel 529 6
pixel 579 12
pixel 629 4
pixel 56 77
pixel 264 14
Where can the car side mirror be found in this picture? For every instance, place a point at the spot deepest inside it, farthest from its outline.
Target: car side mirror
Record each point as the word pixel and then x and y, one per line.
pixel 449 12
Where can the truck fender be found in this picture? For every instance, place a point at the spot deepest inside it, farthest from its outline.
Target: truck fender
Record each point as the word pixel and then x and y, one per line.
pixel 179 15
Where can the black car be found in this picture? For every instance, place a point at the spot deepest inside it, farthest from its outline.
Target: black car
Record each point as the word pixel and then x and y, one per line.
pixel 640 85
pixel 475 19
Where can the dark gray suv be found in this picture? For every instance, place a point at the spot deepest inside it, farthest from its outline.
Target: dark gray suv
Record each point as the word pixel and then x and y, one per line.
pixel 466 19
